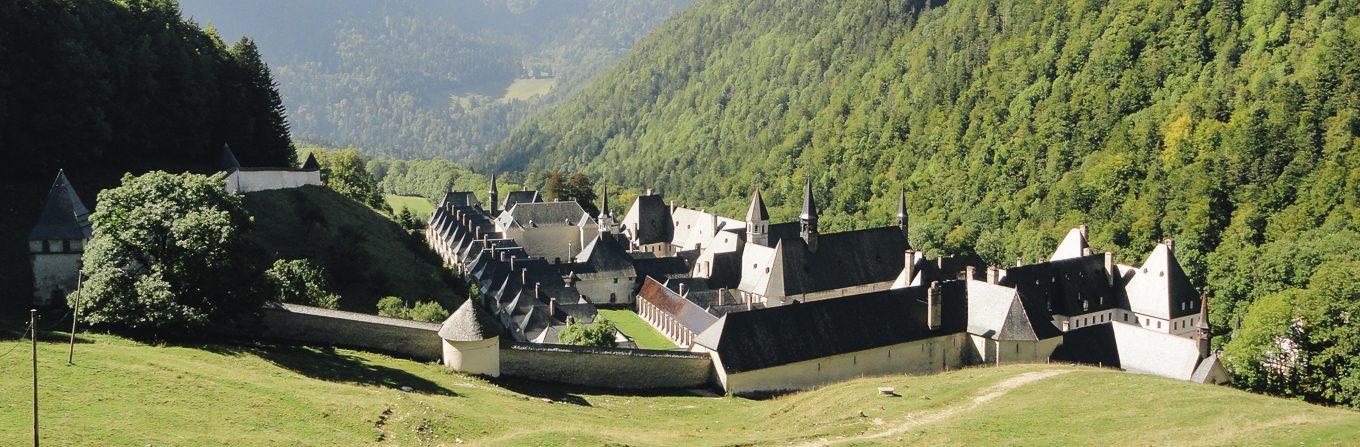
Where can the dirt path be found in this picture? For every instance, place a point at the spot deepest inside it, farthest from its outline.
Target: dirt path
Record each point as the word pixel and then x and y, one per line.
pixel 917 419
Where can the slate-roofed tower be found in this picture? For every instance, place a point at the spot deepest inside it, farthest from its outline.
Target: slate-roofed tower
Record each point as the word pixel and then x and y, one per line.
pixel 808 218
pixel 758 221
pixel 226 160
pixel 493 196
pixel 57 242
pixel 1202 335
pixel 902 213
pixel 606 217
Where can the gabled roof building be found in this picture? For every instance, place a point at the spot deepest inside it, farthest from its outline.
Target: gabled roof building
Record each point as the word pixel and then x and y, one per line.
pixel 57 242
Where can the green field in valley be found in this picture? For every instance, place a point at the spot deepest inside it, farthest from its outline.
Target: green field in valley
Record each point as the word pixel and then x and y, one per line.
pixel 420 207
pixel 632 326
pixel 526 88
pixel 122 392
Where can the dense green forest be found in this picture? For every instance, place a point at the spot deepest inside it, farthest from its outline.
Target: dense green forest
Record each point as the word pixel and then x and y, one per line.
pixel 100 88
pixel 1229 125
pixel 427 78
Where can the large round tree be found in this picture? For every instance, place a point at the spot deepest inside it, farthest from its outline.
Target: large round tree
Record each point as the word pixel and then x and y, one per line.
pixel 168 256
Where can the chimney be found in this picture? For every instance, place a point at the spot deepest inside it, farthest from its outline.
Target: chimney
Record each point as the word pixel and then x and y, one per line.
pixel 649 192
pixel 910 258
pixel 682 289
pixel 1170 245
pixel 721 292
pixel 523 275
pixel 993 275
pixel 933 306
pixel 552 307
pixel 1086 251
pixel 1109 267
pixel 538 286
pixel 1019 262
pixel 968 272
pixel 502 255
pixel 672 206
pixel 512 264
pixel 1082 230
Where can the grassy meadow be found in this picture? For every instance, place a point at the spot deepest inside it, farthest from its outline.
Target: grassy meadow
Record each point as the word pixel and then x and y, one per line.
pixel 420 207
pixel 526 88
pixel 631 325
pixel 120 392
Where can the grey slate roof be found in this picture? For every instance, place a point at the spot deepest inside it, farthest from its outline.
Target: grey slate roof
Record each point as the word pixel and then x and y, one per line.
pixel 64 216
pixel 541 214
pixel 661 268
pixel 1090 345
pixel 764 338
pixel 844 259
pixel 1068 287
pixel 517 197
pixel 311 164
pixel 996 312
pixel 454 199
pixel 757 211
pixel 469 323
pixel 654 220
pixel 226 160
pixel 604 254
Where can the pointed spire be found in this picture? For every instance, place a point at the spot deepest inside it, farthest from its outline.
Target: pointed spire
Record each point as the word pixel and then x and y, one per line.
pixel 226 160
pixel 902 212
pixel 809 206
pixel 493 196
pixel 1203 323
pixel 311 164
pixel 757 212
pixel 64 216
pixel 604 200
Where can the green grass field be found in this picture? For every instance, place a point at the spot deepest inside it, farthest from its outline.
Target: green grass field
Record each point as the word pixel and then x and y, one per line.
pixel 125 393
pixel 528 88
pixel 631 325
pixel 420 207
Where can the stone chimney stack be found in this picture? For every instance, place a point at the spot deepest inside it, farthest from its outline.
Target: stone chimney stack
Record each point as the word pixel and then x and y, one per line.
pixel 1019 262
pixel 969 272
pixel 649 192
pixel 933 306
pixel 1170 245
pixel 910 264
pixel 1082 230
pixel 993 275
pixel 1086 251
pixel 523 276
pixel 552 307
pixel 682 289
pixel 721 293
pixel 512 264
pixel 1109 267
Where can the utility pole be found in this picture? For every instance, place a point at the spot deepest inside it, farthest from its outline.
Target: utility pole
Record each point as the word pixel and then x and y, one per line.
pixel 75 316
pixel 33 331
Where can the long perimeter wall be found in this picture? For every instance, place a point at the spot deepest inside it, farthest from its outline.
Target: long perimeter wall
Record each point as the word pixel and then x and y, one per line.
pixel 607 367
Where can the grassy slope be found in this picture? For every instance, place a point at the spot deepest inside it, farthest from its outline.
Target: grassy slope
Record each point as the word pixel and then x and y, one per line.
pixel 125 393
pixel 528 88
pixel 366 255
pixel 631 325
pixel 420 207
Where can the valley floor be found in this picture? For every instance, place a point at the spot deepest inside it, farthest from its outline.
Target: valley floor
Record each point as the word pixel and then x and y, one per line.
pixel 120 392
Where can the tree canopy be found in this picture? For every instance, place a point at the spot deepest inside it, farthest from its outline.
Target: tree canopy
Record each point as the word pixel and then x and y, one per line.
pixel 168 256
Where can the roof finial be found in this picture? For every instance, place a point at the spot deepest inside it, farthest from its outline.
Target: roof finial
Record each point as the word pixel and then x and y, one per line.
pixel 809 206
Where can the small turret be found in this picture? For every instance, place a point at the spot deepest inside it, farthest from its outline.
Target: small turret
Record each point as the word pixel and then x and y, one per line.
pixel 902 213
pixel 758 221
pixel 808 218
pixel 493 196
pixel 1203 336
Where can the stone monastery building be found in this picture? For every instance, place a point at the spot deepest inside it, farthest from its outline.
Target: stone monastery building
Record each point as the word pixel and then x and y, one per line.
pixel 783 306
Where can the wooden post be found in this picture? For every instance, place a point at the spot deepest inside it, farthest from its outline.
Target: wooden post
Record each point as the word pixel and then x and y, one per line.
pixel 33 332
pixel 75 316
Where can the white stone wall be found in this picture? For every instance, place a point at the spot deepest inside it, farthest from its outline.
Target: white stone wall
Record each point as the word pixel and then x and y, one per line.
pixel 598 290
pixel 251 181
pixel 919 357
pixel 54 276
pixel 480 357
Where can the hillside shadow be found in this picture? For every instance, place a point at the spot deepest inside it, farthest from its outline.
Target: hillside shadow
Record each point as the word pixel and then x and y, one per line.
pixel 577 395
pixel 326 363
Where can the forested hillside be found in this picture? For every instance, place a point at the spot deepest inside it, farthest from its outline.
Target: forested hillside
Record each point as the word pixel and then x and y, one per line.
pixel 428 78
pixel 1229 125
pixel 103 87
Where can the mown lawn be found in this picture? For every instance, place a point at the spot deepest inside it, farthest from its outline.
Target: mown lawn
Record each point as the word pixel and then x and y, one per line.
pixel 122 392
pixel 631 325
pixel 420 207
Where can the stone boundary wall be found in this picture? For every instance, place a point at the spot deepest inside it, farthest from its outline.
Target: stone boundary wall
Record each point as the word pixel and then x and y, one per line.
pixel 623 368
pixel 307 324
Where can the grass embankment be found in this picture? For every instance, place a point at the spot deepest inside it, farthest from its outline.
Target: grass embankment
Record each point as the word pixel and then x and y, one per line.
pixel 420 207
pixel 632 326
pixel 366 255
pixel 125 393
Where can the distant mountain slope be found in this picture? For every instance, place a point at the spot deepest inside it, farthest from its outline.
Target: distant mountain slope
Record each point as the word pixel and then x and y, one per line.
pixel 425 78
pixel 1232 126
pixel 366 255
pixel 269 395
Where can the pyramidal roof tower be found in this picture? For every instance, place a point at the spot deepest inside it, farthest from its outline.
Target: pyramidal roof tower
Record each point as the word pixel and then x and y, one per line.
pixel 758 221
pixel 226 160
pixel 311 164
pixel 64 216
pixel 808 218
pixel 902 212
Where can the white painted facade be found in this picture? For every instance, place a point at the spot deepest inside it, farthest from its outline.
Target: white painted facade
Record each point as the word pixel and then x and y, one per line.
pixel 480 357
pixel 56 268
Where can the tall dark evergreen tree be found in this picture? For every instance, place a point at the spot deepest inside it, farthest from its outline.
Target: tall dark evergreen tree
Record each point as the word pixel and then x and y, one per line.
pixel 263 128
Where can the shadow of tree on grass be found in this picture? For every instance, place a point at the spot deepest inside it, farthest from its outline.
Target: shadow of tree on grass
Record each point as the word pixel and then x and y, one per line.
pixel 326 363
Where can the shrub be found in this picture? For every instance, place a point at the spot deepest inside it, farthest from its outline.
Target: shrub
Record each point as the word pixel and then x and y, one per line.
pixel 600 334
pixel 299 282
